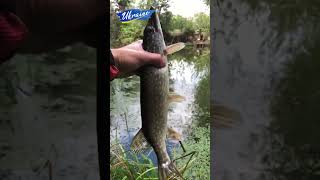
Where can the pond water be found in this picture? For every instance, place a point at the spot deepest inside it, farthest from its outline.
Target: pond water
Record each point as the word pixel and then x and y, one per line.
pixel 188 69
pixel 265 64
pixel 48 113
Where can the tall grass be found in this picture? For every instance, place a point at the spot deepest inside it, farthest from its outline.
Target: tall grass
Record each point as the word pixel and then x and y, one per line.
pixel 128 165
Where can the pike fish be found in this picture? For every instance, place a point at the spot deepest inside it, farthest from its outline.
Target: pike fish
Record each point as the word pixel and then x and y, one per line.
pixel 155 99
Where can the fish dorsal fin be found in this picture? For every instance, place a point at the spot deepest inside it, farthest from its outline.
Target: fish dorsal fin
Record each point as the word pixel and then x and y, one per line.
pixel 139 142
pixel 223 116
pixel 174 97
pixel 173 48
pixel 173 134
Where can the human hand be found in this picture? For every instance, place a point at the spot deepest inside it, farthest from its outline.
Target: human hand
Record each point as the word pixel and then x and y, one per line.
pixel 130 58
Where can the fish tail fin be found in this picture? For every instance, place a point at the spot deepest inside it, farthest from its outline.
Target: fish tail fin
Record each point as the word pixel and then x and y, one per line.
pixel 223 116
pixel 169 171
pixel 139 142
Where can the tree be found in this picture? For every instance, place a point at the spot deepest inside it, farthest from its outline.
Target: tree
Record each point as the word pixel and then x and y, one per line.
pixel 207 2
pixel 161 5
pixel 202 21
pixel 166 19
pixel 181 23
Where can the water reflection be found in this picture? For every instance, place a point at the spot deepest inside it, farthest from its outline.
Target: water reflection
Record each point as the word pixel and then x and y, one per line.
pixel 48 113
pixel 295 149
pixel 265 66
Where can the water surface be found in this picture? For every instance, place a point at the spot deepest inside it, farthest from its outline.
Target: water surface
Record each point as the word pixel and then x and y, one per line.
pixel 48 113
pixel 264 65
pixel 188 77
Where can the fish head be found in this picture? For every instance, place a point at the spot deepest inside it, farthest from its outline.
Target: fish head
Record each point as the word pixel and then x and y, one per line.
pixel 149 30
pixel 154 21
pixel 152 36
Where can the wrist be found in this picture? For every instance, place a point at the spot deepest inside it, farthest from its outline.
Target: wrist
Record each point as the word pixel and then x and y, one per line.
pixel 114 70
pixel 115 57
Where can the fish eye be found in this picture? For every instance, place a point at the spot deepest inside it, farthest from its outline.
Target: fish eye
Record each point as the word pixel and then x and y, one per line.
pixel 149 29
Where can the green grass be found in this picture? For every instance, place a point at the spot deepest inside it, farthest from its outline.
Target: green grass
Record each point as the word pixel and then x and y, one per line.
pixel 199 166
pixel 122 167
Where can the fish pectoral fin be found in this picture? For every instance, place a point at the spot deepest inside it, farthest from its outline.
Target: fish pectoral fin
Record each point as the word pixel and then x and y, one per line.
pixel 173 48
pixel 139 142
pixel 224 116
pixel 173 134
pixel 174 97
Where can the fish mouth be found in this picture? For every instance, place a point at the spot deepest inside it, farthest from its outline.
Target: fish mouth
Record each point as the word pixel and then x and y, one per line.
pixel 154 20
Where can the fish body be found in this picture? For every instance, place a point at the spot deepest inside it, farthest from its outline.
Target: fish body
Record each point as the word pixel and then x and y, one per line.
pixel 154 95
pixel 154 98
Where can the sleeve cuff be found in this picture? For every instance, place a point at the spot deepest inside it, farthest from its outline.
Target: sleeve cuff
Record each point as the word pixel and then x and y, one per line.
pixel 113 72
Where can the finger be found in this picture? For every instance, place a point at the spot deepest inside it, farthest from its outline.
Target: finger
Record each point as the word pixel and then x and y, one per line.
pixel 137 45
pixel 152 59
